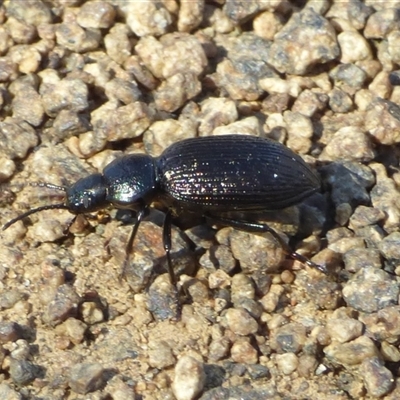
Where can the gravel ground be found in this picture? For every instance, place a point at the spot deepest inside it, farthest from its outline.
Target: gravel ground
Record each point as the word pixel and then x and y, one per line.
pixel 82 83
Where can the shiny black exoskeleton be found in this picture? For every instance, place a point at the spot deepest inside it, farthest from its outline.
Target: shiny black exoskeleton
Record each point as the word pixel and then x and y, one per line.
pixel 212 175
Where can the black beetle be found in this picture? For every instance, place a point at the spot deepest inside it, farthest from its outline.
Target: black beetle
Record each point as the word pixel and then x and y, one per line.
pixel 211 175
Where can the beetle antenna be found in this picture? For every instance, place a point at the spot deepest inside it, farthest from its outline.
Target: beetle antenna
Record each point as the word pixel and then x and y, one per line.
pixel 33 211
pixel 48 185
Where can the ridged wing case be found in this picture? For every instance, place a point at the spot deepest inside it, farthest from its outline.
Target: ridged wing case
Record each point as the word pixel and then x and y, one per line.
pixel 235 172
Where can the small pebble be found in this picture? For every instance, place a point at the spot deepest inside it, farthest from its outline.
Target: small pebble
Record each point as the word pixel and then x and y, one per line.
pixel 246 126
pixel 384 325
pixel 240 12
pixel 380 86
pixel 219 258
pixel 267 25
pixel 242 287
pixel 316 36
pixel 390 352
pixel 384 197
pixel 161 134
pixel 349 182
pixel 76 39
pixel 270 300
pixel 20 31
pixel 161 355
pixel 64 305
pixel 287 362
pixel 353 47
pixel 147 18
pixel 389 247
pixel 382 120
pixel 352 353
pixel 12 128
pixel 288 338
pixel 349 144
pixel 189 378
pixel 357 259
pixel 73 329
pixel 69 123
pixel 344 329
pixel 378 380
pixel 346 244
pixel 9 331
pixel 91 312
pixel 8 298
pixel 163 301
pixel 381 23
pixel 98 15
pixel 125 91
pixel 219 349
pixel 216 112
pixel 86 377
pixel 198 291
pixel 9 393
pixel 258 371
pixel 190 15
pixel 233 77
pixel 23 372
pixel 309 103
pixel 349 77
pixel 243 352
pixel 118 46
pixel 307 365
pixel 255 252
pixel 240 322
pixel 370 290
pixel 364 216
pixel 128 121
pixel 27 105
pixel 175 53
pixel 176 90
pixel 340 101
pixel 21 351
pixel 300 131
pixel 69 94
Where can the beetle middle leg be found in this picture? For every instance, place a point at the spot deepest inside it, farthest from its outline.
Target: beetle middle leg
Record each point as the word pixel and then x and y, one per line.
pixel 167 243
pixel 262 228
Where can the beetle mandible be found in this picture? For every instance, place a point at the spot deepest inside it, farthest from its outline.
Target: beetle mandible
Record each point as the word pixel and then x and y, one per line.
pixel 213 175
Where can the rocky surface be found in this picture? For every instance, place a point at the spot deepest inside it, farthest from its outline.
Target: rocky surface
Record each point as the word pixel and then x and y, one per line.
pixel 82 83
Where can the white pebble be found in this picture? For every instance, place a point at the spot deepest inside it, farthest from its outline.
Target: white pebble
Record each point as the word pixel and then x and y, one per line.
pixel 189 378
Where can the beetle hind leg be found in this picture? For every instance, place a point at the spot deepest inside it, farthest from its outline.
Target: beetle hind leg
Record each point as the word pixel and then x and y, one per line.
pixel 262 228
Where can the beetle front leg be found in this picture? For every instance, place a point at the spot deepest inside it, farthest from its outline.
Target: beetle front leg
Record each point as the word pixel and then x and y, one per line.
pixel 262 228
pixel 129 245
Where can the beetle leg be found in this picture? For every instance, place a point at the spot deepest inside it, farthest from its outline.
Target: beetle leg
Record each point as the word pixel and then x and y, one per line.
pixel 258 227
pixel 167 243
pixel 67 228
pixel 139 218
pixel 167 246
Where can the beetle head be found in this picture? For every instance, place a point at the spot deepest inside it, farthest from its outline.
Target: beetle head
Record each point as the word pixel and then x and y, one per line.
pixel 87 195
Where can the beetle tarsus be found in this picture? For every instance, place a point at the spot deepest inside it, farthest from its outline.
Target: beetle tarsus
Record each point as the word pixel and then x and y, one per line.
pixel 308 262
